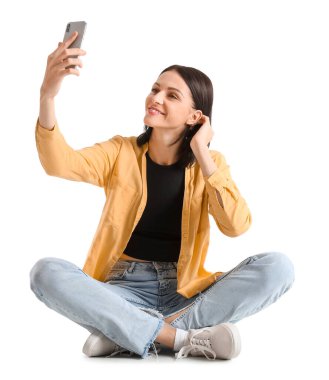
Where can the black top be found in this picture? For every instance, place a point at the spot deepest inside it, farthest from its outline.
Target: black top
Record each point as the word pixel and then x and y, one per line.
pixel 157 236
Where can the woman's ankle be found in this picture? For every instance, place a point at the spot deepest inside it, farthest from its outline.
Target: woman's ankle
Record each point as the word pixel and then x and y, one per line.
pixel 167 335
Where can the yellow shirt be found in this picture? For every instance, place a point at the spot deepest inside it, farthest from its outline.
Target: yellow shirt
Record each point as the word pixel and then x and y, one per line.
pixel 119 166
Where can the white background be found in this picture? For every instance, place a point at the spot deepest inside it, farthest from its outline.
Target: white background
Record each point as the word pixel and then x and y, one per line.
pixel 268 61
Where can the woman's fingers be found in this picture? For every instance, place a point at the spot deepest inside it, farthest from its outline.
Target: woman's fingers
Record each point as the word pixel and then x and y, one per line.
pixel 67 43
pixel 70 71
pixel 62 46
pixel 71 52
pixel 66 58
pixel 69 62
pixel 71 39
pixel 61 71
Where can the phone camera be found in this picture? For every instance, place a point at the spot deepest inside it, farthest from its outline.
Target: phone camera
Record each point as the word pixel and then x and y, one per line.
pixel 68 28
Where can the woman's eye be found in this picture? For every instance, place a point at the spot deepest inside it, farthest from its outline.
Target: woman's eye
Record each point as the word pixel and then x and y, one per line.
pixel 154 90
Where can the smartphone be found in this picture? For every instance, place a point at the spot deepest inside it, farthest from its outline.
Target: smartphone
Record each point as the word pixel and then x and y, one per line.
pixel 80 27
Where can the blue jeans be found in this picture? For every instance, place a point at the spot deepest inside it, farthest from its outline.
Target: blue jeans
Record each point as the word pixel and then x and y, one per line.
pixel 131 305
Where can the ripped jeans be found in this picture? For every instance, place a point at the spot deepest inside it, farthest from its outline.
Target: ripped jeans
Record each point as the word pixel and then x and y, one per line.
pixel 117 307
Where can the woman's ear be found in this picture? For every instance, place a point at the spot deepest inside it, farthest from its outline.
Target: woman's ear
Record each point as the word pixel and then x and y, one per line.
pixel 195 118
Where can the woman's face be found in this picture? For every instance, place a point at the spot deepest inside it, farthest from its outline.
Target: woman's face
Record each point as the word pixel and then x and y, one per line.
pixel 172 98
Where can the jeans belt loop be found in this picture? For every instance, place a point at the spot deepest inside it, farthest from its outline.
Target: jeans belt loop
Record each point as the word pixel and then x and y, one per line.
pixel 131 266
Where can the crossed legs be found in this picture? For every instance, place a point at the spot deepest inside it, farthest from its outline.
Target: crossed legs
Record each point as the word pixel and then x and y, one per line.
pixel 252 285
pixel 167 333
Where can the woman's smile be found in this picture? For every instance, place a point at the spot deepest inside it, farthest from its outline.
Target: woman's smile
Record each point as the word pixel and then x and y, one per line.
pixel 154 111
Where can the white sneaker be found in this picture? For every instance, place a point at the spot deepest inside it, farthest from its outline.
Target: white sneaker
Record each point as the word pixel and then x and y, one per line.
pixel 98 344
pixel 221 341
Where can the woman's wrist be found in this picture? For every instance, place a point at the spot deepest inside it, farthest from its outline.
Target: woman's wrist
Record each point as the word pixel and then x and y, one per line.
pixel 44 97
pixel 47 112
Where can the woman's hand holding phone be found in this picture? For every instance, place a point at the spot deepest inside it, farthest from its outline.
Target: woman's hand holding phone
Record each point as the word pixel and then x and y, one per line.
pixel 57 67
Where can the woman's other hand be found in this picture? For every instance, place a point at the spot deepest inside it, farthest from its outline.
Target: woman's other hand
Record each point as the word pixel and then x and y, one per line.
pixel 204 135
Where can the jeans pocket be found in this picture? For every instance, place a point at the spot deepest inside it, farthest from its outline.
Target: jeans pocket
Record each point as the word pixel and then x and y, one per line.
pixel 117 272
pixel 244 262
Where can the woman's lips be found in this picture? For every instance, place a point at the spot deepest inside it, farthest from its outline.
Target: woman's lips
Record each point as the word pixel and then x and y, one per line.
pixel 154 112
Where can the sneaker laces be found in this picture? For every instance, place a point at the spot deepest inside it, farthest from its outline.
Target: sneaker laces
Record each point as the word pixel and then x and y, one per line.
pixel 121 350
pixel 155 345
pixel 197 345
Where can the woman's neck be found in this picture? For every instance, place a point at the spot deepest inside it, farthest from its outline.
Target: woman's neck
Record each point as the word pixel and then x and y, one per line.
pixel 160 151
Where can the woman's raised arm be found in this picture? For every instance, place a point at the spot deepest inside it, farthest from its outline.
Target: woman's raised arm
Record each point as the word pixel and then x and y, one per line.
pixel 56 70
pixel 92 164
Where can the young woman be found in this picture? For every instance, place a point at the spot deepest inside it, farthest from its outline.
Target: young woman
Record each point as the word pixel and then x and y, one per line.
pixel 144 279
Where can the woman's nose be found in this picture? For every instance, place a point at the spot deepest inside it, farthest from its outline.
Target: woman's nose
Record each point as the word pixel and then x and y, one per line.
pixel 158 98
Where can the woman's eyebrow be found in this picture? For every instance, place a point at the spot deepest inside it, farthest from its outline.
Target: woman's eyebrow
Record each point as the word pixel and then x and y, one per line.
pixel 171 88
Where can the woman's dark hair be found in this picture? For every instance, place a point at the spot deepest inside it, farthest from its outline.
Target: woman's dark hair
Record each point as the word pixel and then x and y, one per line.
pixel 202 95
